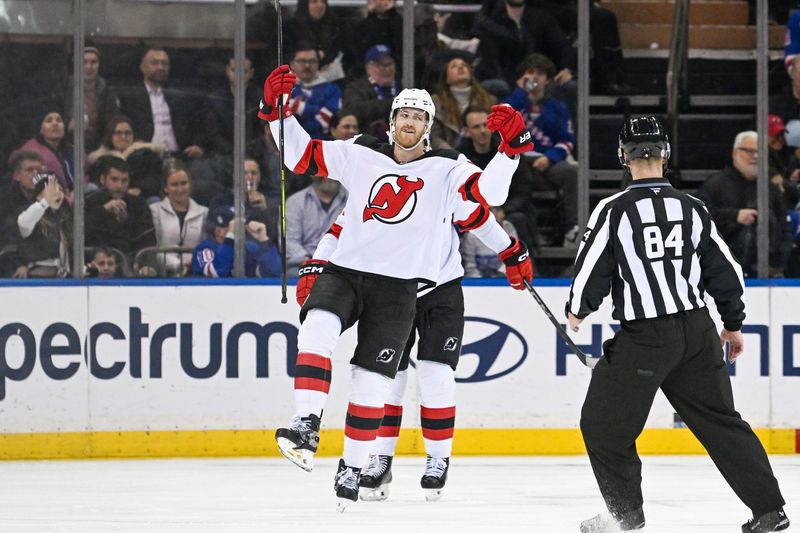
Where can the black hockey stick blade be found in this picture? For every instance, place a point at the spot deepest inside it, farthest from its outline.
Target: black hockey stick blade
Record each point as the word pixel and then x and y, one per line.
pixel 587 361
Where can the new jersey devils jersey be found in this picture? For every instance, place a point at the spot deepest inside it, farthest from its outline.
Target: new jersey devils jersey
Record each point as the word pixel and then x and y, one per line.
pixel 398 217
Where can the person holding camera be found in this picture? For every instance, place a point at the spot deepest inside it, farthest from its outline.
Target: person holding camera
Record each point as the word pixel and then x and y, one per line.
pixel 46 231
pixel 550 123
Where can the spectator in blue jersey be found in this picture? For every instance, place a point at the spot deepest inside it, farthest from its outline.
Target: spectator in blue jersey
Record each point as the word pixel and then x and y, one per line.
pixel 213 258
pixel 550 124
pixel 313 100
pixel 792 43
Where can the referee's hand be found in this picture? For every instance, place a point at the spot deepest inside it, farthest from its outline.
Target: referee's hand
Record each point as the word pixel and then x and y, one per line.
pixel 735 340
pixel 574 322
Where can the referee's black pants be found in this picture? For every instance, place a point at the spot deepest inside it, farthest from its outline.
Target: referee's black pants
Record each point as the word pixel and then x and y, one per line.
pixel 680 354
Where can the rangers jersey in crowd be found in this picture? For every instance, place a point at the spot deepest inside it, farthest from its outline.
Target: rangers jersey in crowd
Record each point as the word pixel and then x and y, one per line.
pixel 398 216
pixel 549 122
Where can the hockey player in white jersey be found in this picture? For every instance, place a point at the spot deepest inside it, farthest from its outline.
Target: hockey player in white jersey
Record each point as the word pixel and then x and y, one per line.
pixel 439 321
pixel 402 199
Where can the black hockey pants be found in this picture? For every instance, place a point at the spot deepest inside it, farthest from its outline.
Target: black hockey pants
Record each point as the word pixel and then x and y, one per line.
pixel 680 354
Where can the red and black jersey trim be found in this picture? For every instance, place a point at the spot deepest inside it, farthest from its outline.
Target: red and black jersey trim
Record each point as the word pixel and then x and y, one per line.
pixel 335 230
pixel 437 423
pixel 477 219
pixel 312 372
pixel 313 160
pixel 362 422
pixel 392 418
pixel 471 192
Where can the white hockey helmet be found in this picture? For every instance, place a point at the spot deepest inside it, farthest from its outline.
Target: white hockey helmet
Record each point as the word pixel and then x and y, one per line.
pixel 415 99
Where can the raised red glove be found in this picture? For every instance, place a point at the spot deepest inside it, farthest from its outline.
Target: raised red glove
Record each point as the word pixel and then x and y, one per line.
pixel 518 263
pixel 308 273
pixel 516 137
pixel 279 82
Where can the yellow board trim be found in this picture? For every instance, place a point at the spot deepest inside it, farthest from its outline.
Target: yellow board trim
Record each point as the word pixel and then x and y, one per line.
pixel 233 443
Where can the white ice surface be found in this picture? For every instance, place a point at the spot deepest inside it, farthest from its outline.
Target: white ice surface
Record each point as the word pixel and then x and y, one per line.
pixel 532 494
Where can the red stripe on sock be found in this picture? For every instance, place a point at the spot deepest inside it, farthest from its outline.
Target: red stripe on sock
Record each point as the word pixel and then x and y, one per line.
pixel 312 384
pixel 437 434
pixel 312 359
pixel 797 441
pixel 392 410
pixel 360 434
pixel 363 411
pixel 389 431
pixel 437 412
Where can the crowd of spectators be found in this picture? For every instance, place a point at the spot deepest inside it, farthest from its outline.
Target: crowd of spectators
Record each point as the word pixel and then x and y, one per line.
pixel 159 152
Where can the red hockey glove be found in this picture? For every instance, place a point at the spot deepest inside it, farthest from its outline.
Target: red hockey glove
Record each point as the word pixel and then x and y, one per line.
pixel 518 263
pixel 308 273
pixel 516 137
pixel 279 82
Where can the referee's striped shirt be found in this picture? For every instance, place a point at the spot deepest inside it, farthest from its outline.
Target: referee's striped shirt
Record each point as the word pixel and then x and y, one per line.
pixel 658 251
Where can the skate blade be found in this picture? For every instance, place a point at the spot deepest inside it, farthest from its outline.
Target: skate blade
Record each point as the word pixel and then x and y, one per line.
pixel 432 495
pixel 374 495
pixel 302 458
pixel 342 504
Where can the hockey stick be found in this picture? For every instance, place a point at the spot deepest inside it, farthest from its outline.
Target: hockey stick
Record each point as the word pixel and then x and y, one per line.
pixel 587 361
pixel 280 154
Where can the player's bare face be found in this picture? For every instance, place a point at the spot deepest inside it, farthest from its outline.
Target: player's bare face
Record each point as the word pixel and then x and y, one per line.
pixel 409 127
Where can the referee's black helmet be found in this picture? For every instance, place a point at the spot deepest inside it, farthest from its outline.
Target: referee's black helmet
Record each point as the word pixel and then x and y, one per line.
pixel 642 138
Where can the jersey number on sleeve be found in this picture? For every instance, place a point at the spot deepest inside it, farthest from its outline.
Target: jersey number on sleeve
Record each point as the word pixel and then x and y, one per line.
pixel 654 242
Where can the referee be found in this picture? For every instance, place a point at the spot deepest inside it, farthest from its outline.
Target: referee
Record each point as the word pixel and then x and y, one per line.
pixel 659 253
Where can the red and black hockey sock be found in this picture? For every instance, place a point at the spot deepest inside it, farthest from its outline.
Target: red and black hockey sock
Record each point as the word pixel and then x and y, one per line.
pixel 360 430
pixel 389 430
pixel 438 424
pixel 312 382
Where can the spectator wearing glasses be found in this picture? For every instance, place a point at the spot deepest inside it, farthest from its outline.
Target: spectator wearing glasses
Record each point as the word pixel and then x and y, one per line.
pixel 313 100
pixel 731 197
pixel 17 195
pixel 372 94
pixel 144 159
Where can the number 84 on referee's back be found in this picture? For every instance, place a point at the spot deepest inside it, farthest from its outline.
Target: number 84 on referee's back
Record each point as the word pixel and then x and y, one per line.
pixel 655 243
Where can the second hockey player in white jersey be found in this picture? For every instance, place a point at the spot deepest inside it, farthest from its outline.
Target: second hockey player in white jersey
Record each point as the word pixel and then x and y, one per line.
pixel 402 199
pixel 439 323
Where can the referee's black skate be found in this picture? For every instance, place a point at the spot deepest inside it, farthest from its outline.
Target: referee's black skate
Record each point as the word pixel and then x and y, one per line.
pixel 606 523
pixel 346 485
pixel 772 521
pixel 375 479
pixel 299 441
pixel 435 477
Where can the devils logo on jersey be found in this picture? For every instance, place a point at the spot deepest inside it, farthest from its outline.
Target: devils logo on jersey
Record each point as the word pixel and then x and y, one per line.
pixel 392 198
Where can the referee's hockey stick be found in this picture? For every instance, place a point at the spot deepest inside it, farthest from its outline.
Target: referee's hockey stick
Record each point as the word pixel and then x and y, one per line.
pixel 587 361
pixel 280 154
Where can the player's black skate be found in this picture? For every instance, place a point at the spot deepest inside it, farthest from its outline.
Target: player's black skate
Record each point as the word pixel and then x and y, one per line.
pixel 346 485
pixel 772 521
pixel 375 479
pixel 299 441
pixel 606 523
pixel 435 477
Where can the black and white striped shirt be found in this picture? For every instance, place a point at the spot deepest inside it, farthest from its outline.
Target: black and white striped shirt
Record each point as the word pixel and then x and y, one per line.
pixel 658 251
